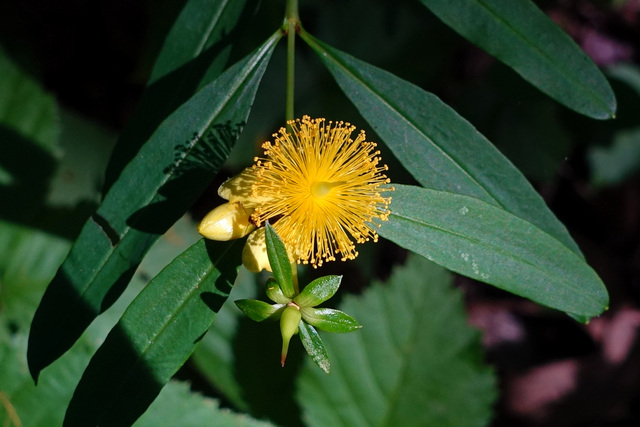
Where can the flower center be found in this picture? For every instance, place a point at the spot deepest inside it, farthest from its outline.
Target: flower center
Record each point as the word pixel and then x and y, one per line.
pixel 320 189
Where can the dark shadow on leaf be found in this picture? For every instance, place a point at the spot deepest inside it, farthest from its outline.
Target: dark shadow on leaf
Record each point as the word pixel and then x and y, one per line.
pixel 189 175
pixel 165 95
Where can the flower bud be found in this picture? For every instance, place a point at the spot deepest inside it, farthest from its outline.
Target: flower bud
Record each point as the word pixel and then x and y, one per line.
pixel 226 222
pixel 288 327
pixel 254 253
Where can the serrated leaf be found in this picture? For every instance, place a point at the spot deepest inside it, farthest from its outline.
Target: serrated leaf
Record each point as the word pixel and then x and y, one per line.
pixel 415 362
pixel 154 190
pixel 329 319
pixel 176 405
pixel 484 242
pixel 318 291
pixel 279 261
pixel 194 53
pixel 523 37
pixel 314 346
pixel 155 336
pixel 260 310
pixel 437 146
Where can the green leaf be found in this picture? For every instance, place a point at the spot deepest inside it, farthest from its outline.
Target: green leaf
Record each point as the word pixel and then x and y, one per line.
pixel 194 53
pixel 314 346
pixel 478 240
pixel 279 261
pixel 523 37
pixel 176 405
pixel 415 362
pixel 438 147
pixel 329 320
pixel 612 165
pixel 318 291
pixel 154 190
pixel 274 292
pixel 260 310
pixel 155 336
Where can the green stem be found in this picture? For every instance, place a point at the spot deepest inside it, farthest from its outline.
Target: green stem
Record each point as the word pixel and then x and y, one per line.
pixel 291 21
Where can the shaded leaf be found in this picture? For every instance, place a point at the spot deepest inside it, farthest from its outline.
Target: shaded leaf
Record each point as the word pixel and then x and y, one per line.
pixel 437 146
pixel 523 37
pixel 318 291
pixel 415 362
pixel 155 189
pixel 155 336
pixel 194 53
pixel 176 405
pixel 478 240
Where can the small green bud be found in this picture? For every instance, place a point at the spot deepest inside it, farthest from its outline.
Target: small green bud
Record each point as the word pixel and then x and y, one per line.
pixel 288 327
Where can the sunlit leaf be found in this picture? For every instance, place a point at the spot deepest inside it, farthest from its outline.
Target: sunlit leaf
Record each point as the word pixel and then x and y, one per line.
pixel 484 242
pixel 437 146
pixel 415 362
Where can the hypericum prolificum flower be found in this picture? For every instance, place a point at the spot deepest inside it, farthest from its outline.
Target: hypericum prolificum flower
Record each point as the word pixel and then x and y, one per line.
pixel 320 189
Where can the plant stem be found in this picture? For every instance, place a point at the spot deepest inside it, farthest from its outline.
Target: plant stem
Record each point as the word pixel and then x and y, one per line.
pixel 291 22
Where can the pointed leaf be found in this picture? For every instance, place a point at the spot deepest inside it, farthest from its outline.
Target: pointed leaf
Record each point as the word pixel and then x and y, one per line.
pixel 279 261
pixel 438 147
pixel 478 240
pixel 194 53
pixel 259 310
pixel 329 319
pixel 314 346
pixel 318 291
pixel 155 336
pixel 523 37
pixel 155 189
pixel 416 362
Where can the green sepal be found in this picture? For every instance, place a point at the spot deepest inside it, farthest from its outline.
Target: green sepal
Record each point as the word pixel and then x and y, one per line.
pixel 314 346
pixel 260 310
pixel 329 320
pixel 279 260
pixel 318 291
pixel 274 292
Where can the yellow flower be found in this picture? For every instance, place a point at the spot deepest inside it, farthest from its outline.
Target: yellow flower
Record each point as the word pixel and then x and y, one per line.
pixel 320 189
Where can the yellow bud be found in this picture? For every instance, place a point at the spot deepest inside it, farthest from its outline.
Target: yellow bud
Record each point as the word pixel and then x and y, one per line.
pixel 226 222
pixel 240 189
pixel 254 254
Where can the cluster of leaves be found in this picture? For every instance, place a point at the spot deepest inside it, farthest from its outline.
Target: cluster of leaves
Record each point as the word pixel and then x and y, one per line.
pixel 473 213
pixel 296 310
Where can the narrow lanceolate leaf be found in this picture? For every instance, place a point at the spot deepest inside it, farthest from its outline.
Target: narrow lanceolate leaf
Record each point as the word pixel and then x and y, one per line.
pixel 154 190
pixel 484 242
pixel 436 145
pixel 259 310
pixel 155 336
pixel 329 319
pixel 520 35
pixel 416 362
pixel 314 346
pixel 279 261
pixel 194 53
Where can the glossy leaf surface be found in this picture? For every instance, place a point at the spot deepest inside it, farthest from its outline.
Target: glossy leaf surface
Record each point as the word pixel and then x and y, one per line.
pixel 436 145
pixel 481 241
